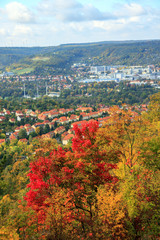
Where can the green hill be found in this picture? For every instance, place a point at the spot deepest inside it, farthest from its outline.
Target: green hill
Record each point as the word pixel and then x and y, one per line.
pixel 58 58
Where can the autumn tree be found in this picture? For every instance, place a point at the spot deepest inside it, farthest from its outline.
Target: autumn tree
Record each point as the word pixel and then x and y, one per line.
pixel 138 168
pixel 78 173
pixel 127 133
pixel 154 107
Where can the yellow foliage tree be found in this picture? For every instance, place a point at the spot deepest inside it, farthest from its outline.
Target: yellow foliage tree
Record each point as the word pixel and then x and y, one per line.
pixel 111 214
pixel 6 233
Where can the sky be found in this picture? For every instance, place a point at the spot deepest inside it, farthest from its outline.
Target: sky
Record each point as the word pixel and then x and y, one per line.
pixel 53 22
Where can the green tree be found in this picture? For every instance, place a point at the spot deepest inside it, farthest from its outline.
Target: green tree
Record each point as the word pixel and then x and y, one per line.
pixel 22 134
pixel 46 128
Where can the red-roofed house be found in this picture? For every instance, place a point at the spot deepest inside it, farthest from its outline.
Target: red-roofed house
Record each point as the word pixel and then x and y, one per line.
pixel 84 109
pixel 38 111
pixel 46 122
pixel 17 129
pixel 93 114
pixel 84 115
pixel 45 113
pixel 19 113
pixel 7 112
pixel 13 136
pixel 27 125
pixel 65 111
pixel 79 123
pixel 38 125
pixel 64 134
pixel 101 121
pixel 73 118
pixel 59 130
pixel 12 120
pixel 48 135
pixel 66 139
pixel 42 117
pixel 51 124
pixel 33 114
pixel 63 120
pixel 53 114
pixel 2 113
pixel 27 111
pixel 55 120
pixel 24 140
pixel 2 118
pixel 29 130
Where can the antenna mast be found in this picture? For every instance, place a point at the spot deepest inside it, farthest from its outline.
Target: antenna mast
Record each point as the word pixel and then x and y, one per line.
pixel 46 89
pixel 24 90
pixel 37 91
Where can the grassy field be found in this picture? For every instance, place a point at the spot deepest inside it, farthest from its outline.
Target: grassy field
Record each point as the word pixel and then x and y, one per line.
pixel 38 58
pixel 23 70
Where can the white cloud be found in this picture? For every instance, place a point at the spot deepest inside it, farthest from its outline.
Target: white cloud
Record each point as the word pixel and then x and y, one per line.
pixel 3 31
pixel 21 30
pixel 132 9
pixel 19 13
pixel 52 6
pixel 135 19
pixel 72 11
pixel 63 4
pixel 110 26
pixel 64 21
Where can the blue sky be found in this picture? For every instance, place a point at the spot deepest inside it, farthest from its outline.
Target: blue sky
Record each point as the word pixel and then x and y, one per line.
pixel 54 22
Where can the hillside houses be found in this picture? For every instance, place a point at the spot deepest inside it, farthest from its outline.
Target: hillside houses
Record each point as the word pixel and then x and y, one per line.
pixel 53 113
pixel 79 123
pixel 86 116
pixel 59 130
pixel 63 120
pixel 84 109
pixel 103 120
pixel 73 118
pixel 66 111
pixel 48 135
pixel 38 124
pixel 59 123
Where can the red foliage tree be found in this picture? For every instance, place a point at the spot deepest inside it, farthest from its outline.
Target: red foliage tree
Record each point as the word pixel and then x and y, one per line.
pixel 79 172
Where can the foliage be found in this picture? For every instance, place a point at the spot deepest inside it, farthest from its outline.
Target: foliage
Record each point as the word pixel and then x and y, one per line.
pixel 112 214
pixel 154 107
pixel 78 173
pixel 105 185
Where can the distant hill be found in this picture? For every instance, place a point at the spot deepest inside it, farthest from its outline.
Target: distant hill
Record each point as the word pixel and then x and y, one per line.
pixel 61 57
pixel 9 55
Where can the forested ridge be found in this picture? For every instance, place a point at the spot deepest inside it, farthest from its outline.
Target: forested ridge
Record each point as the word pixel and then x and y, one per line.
pixel 63 56
pixel 102 185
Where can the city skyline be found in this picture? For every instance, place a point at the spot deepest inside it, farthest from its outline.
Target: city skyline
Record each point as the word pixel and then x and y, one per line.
pixel 51 22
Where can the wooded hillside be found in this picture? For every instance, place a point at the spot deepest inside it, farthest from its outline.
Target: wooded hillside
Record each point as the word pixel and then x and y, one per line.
pixel 63 56
pixel 103 185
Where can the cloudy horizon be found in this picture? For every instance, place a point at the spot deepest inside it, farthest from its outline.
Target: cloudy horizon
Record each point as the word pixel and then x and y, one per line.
pixel 52 22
